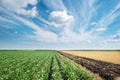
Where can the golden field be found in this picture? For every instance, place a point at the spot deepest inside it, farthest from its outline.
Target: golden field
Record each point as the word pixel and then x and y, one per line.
pixel 107 56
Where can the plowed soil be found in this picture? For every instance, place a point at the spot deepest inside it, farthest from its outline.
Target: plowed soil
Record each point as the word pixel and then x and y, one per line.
pixel 108 71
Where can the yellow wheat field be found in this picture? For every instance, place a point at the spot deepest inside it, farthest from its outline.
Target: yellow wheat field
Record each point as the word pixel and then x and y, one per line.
pixel 107 56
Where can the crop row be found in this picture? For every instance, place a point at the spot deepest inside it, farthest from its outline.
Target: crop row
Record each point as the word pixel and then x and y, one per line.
pixel 39 65
pixel 72 71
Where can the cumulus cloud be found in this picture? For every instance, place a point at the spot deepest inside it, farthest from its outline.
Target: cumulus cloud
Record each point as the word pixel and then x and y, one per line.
pixel 18 6
pixel 60 18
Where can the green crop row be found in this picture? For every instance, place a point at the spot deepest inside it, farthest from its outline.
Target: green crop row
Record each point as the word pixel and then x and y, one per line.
pixel 39 65
pixel 21 65
pixel 72 71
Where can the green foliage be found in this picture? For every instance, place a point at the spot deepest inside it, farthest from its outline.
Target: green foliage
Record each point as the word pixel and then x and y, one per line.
pixel 39 65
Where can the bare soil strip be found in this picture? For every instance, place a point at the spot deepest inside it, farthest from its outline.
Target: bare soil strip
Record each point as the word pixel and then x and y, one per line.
pixel 107 71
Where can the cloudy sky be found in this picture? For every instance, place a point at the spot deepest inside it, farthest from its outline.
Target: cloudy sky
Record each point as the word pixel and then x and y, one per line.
pixel 59 24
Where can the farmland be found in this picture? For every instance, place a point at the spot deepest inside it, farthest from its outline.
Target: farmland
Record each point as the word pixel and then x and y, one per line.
pixel 107 56
pixel 99 65
pixel 39 65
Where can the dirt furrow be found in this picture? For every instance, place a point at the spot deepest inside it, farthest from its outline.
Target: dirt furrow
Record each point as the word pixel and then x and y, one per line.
pixel 107 71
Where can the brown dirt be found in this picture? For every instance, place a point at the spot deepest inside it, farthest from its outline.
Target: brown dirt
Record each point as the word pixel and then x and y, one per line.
pixel 97 77
pixel 108 71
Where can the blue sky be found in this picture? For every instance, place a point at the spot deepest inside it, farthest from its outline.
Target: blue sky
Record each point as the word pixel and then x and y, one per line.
pixel 59 24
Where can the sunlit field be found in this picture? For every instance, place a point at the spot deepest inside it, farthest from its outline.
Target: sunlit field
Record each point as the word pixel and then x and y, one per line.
pixel 104 63
pixel 59 39
pixel 39 65
pixel 107 56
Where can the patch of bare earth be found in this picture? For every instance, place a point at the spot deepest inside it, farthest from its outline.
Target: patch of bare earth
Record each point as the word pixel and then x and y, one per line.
pixel 106 70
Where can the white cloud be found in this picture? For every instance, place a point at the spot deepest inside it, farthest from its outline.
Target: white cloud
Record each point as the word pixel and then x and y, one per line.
pixel 57 19
pixel 29 13
pixel 69 36
pixel 18 6
pixel 45 36
pixel 48 36
pixel 60 18
pixel 39 34
pixel 53 24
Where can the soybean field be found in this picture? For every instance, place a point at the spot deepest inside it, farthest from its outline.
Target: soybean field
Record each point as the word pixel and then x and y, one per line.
pixel 39 65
